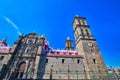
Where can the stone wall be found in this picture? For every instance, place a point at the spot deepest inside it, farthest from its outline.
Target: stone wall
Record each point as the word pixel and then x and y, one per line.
pixel 62 67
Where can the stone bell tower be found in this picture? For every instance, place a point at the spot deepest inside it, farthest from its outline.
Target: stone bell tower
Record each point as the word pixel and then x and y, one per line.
pixel 87 46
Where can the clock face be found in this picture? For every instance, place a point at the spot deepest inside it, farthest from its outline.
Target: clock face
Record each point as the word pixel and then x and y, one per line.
pixel 90 44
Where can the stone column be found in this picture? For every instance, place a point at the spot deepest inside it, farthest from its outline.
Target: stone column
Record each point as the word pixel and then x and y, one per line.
pixel 37 61
pixel 30 69
pixel 25 71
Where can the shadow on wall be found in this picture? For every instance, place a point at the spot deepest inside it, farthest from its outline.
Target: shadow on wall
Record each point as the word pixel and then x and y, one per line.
pixel 42 65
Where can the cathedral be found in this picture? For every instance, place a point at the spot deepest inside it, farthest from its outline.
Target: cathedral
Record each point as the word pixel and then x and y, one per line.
pixel 31 57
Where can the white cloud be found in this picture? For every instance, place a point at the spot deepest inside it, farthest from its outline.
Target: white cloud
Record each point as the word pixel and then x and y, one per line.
pixel 13 25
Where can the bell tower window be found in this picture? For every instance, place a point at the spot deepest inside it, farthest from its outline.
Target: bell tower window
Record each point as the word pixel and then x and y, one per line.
pixel 81 22
pixel 82 32
pixel 87 32
pixel 84 21
pixel 76 21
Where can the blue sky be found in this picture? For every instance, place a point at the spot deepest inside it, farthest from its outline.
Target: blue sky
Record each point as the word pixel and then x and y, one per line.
pixel 54 19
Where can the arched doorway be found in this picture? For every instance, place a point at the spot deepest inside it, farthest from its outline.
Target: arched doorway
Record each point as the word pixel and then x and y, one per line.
pixel 21 69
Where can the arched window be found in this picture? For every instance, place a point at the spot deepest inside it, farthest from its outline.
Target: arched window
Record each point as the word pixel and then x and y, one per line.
pixel 81 22
pixel 94 61
pixel 87 32
pixel 78 61
pixel 76 21
pixel 82 32
pixel 63 60
pixel 27 50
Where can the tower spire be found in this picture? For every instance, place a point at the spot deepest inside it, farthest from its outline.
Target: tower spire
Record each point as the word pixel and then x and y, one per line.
pixel 5 41
pixel 69 44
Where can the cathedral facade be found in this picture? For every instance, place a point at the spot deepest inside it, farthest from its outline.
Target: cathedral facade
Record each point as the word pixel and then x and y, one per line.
pixel 32 58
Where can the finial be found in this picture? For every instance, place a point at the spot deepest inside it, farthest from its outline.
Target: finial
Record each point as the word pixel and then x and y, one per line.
pixel 76 16
pixel 5 41
pixel 21 35
pixel 68 38
pixel 43 36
